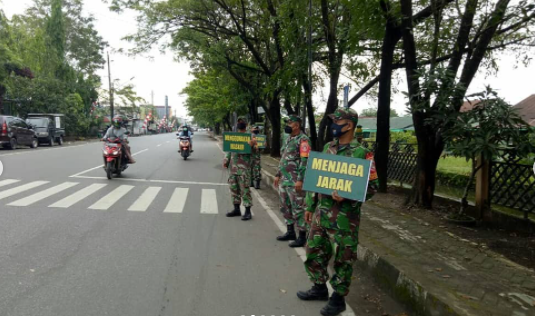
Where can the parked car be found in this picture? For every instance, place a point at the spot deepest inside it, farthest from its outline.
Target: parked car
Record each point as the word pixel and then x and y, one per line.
pixel 14 131
pixel 49 128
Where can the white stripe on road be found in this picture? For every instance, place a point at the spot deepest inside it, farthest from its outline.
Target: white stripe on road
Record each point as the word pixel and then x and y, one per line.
pixel 209 202
pixel 22 188
pixel 78 196
pixel 100 166
pixel 153 181
pixel 3 183
pixel 159 145
pixel 177 201
pixel 43 194
pixel 145 200
pixel 112 198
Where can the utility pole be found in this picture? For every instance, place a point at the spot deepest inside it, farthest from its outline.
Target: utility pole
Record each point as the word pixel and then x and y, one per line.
pixel 309 44
pixel 111 88
pixel 152 97
pixel 166 107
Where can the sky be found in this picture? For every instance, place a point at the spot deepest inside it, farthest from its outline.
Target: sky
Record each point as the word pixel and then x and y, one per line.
pixel 162 75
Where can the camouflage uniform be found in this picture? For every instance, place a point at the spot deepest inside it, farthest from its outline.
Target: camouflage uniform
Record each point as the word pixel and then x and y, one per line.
pixel 338 223
pixel 256 164
pixel 292 168
pixel 240 177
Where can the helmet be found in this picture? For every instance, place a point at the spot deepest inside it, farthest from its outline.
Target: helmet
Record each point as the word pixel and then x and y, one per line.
pixel 117 121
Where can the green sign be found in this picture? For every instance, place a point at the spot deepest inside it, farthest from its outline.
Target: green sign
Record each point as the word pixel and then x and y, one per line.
pixel 261 141
pixel 348 176
pixel 237 142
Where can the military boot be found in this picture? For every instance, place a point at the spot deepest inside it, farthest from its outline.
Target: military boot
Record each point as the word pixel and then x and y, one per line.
pixel 247 216
pixel 257 185
pixel 290 234
pixel 235 212
pixel 336 305
pixel 318 292
pixel 300 241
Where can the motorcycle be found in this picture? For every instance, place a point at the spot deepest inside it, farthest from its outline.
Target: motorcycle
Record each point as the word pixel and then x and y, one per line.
pixel 115 161
pixel 185 149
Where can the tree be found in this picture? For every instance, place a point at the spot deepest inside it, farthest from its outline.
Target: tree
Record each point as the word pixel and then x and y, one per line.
pixel 466 40
pixel 480 134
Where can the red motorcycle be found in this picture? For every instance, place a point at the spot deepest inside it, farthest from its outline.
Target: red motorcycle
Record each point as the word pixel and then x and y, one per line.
pixel 115 160
pixel 185 147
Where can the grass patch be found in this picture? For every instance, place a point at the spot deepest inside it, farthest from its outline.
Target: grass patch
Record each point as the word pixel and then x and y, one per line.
pixel 457 165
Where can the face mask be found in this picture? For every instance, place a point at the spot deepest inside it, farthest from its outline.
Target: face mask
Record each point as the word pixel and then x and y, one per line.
pixel 337 130
pixel 288 129
pixel 256 132
pixel 241 126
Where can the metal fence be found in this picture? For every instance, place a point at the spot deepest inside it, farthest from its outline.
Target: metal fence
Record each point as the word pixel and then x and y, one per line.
pixel 401 161
pixel 512 184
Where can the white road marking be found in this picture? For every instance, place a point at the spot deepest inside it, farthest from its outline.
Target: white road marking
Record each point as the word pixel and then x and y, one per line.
pixel 100 166
pixel 85 171
pixel 42 150
pixel 168 142
pixel 78 196
pixel 178 201
pixel 209 202
pixel 22 188
pixel 154 181
pixel 145 200
pixel 43 194
pixel 8 182
pixel 110 199
pixel 159 145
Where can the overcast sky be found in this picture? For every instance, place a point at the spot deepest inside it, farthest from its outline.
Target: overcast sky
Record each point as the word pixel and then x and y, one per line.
pixel 165 76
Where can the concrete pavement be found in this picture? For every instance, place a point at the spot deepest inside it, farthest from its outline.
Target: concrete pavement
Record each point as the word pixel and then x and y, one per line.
pixel 153 242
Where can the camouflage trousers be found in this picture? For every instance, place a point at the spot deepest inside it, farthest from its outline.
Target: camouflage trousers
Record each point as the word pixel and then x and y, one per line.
pixel 256 168
pixel 327 228
pixel 292 206
pixel 239 189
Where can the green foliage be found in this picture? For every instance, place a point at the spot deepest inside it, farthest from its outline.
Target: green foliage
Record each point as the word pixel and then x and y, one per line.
pixel 55 43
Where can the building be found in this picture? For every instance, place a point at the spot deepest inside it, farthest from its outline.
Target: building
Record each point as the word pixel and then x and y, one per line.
pixel 526 109
pixel 397 124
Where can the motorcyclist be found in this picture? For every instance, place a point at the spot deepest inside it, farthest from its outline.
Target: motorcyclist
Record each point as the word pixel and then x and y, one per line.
pixel 117 131
pixel 185 132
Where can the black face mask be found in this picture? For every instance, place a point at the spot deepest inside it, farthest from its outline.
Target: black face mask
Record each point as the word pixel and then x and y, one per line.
pixel 288 129
pixel 256 132
pixel 337 130
pixel 241 126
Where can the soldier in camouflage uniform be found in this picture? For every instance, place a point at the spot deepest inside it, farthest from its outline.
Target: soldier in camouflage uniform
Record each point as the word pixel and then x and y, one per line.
pixel 289 181
pixel 240 177
pixel 335 220
pixel 256 165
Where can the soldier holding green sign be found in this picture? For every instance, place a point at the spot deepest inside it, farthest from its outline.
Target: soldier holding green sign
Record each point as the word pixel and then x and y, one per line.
pixel 239 160
pixel 336 220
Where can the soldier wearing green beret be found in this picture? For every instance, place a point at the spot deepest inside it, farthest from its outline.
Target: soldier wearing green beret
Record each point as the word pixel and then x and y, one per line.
pixel 335 220
pixel 289 181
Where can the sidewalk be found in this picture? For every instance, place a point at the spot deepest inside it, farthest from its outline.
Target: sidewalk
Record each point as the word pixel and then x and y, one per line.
pixel 434 272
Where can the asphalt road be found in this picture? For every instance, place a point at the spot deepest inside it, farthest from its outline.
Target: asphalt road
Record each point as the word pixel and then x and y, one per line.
pixel 153 242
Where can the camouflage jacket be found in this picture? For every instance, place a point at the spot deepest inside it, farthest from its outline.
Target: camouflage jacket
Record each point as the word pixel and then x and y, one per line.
pixel 294 158
pixel 239 164
pixel 325 202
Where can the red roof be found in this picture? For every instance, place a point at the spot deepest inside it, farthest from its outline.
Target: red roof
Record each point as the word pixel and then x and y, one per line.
pixel 526 109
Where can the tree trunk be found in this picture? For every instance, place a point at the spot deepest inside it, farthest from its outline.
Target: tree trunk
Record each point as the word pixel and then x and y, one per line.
pixel 325 133
pixel 383 108
pixel 218 128
pixel 310 112
pixel 275 119
pixel 2 92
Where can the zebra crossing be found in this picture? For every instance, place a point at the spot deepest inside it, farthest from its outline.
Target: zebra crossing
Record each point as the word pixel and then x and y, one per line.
pixel 25 196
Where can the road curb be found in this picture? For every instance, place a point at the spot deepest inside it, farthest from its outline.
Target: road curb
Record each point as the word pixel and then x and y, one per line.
pixel 402 288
